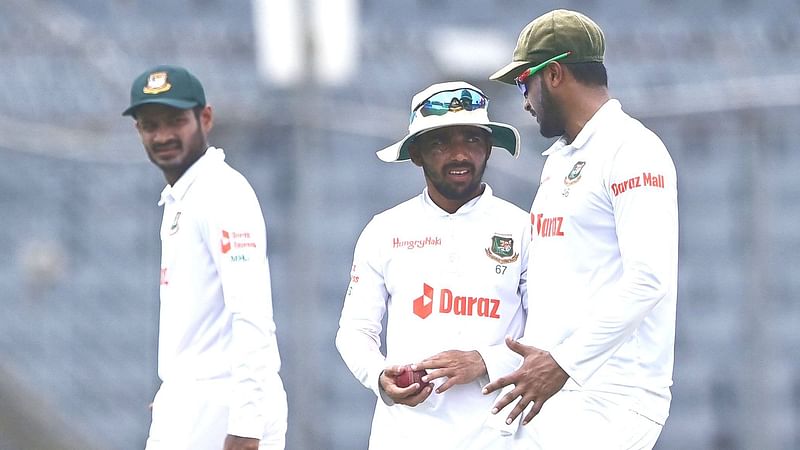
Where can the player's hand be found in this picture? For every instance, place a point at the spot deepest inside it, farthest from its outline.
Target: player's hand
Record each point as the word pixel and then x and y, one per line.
pixel 405 396
pixel 458 366
pixel 240 443
pixel 537 379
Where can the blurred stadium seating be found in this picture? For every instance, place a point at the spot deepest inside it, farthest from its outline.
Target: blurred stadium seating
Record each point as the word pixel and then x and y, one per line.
pixel 718 80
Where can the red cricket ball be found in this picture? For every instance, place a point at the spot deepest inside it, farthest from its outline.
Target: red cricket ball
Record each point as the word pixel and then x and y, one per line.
pixel 408 377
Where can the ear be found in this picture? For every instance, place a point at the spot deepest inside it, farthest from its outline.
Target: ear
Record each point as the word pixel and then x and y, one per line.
pixel 414 153
pixel 207 119
pixel 554 74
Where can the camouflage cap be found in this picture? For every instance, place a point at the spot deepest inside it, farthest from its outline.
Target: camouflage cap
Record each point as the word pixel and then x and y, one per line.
pixel 166 85
pixel 552 34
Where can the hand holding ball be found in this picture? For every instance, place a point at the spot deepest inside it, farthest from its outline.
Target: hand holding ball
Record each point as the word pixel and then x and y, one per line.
pixel 408 377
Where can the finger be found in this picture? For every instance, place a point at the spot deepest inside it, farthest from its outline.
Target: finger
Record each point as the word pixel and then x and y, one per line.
pixel 518 409
pixel 406 392
pixel 445 386
pixel 420 397
pixel 431 362
pixel 393 371
pixel 537 406
pixel 514 345
pixel 499 383
pixel 434 375
pixel 505 400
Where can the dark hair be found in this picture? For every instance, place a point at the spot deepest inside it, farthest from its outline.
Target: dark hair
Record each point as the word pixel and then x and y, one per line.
pixel 589 73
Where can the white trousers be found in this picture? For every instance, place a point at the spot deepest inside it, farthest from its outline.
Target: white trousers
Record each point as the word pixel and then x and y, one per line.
pixel 194 416
pixel 577 420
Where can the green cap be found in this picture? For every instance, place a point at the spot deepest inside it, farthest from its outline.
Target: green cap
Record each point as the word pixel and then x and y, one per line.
pixel 550 35
pixel 166 85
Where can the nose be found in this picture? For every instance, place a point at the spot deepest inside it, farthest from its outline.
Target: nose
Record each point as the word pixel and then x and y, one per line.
pixel 459 150
pixel 526 105
pixel 162 134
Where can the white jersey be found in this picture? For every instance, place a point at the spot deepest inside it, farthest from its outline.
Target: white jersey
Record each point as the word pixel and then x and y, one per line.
pixel 448 282
pixel 216 304
pixel 604 262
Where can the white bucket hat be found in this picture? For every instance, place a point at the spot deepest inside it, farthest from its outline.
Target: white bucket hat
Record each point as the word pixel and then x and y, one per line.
pixel 448 104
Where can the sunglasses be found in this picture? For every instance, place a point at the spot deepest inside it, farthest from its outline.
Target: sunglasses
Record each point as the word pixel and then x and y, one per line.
pixel 445 102
pixel 527 73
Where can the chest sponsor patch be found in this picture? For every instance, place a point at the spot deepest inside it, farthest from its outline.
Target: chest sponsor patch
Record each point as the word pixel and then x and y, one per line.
pixel 410 244
pixel 459 305
pixel 502 249
pixel 646 179
pixel 547 226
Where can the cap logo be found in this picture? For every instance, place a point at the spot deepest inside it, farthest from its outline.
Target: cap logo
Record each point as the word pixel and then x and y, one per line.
pixel 157 83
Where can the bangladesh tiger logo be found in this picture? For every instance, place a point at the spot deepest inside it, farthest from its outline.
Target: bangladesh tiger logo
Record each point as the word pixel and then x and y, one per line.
pixel 575 174
pixel 502 249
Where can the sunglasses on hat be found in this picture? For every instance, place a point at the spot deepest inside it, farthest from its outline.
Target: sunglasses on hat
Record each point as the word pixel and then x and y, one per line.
pixel 527 73
pixel 445 102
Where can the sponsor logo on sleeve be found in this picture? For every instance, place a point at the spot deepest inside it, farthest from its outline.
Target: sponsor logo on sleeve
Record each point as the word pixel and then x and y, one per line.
pixel 646 179
pixel 502 249
pixel 236 240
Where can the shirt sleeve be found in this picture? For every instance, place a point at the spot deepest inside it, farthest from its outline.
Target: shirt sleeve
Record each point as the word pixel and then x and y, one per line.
pixel 498 358
pixel 646 221
pixel 358 339
pixel 236 237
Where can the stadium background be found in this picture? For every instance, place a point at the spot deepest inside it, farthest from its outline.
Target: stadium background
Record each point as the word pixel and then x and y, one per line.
pixel 718 80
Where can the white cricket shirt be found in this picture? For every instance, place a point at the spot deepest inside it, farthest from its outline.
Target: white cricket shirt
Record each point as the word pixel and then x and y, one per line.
pixel 216 305
pixel 604 262
pixel 448 282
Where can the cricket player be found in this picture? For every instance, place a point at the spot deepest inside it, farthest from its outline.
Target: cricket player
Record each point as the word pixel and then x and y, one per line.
pixel 599 341
pixel 449 268
pixel 217 352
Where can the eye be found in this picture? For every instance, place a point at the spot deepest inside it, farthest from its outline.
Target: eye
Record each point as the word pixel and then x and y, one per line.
pixel 147 127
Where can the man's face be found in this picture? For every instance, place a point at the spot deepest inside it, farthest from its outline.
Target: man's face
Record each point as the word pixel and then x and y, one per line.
pixel 453 160
pixel 540 103
pixel 173 138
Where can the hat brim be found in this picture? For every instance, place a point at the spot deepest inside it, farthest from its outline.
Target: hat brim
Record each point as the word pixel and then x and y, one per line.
pixel 503 136
pixel 175 103
pixel 510 71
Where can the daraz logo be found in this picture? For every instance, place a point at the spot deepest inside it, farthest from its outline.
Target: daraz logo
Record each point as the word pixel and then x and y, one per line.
pixel 423 306
pixel 459 305
pixel 225 242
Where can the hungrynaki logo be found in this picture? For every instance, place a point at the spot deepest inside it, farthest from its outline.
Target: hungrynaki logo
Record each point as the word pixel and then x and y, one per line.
pixel 416 243
pixel 459 305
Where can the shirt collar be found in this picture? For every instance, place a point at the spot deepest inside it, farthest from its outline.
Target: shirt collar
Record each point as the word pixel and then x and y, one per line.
pixel 466 208
pixel 609 109
pixel 178 190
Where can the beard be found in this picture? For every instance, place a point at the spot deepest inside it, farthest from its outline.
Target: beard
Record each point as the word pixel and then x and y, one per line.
pixel 551 117
pixel 453 191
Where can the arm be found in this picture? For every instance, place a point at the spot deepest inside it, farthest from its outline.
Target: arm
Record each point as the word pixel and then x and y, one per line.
pixel 358 338
pixel 236 237
pixel 646 219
